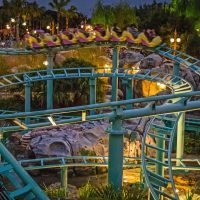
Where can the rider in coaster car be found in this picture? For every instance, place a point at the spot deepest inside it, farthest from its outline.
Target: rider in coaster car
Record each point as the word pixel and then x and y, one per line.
pixel 116 29
pixel 84 36
pixel 133 30
pixel 149 38
pixel 100 29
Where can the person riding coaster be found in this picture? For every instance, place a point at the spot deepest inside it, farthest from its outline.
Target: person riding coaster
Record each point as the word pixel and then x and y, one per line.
pixel 116 38
pixel 149 38
pixel 51 40
pixel 102 38
pixel 130 39
pixel 67 38
pixel 33 42
pixel 84 37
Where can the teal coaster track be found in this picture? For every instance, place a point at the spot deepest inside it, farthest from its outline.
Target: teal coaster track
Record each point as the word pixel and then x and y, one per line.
pixel 172 110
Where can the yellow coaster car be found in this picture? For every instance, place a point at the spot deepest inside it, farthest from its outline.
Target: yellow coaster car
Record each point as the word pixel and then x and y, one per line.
pixel 51 40
pixel 33 42
pixel 100 38
pixel 83 38
pixel 153 43
pixel 68 38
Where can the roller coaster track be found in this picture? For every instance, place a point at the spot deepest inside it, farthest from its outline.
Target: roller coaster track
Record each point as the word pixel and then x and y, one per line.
pixel 165 51
pixel 24 186
pixel 101 161
pixel 164 134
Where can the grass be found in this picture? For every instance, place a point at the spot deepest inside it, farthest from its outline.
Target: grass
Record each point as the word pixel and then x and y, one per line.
pixel 55 193
pixel 107 192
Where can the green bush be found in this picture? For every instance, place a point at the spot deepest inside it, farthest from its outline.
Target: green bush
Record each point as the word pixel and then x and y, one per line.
pixel 56 192
pixel 67 92
pixel 89 192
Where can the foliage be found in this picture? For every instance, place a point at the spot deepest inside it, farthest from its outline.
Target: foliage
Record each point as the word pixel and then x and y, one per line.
pixel 102 14
pixel 59 5
pixel 70 13
pixel 67 92
pixel 55 192
pixel 15 102
pixel 89 192
pixel 122 14
pixel 189 195
pixel 190 8
pixel 85 152
pixel 192 143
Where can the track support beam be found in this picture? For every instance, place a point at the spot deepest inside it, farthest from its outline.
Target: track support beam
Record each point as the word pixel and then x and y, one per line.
pixel 115 64
pixel 50 65
pixel 116 143
pixel 128 83
pixel 27 100
pixel 92 83
pixel 181 123
pixel 180 138
pixel 64 177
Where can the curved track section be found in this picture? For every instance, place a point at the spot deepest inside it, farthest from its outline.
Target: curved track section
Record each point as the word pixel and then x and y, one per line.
pixel 24 186
pixel 180 57
pixel 165 51
pixel 164 134
pixel 176 84
pixel 154 175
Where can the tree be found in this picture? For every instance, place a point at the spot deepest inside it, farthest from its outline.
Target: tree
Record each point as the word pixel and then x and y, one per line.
pixel 15 9
pixel 59 5
pixel 124 14
pixel 33 14
pixel 102 14
pixel 70 13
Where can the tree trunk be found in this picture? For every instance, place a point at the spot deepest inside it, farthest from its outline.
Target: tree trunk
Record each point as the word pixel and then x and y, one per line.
pixel 67 23
pixel 53 27
pixel 58 22
pixel 17 29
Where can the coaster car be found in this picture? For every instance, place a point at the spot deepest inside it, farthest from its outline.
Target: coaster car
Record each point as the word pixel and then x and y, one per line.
pixel 153 43
pixel 130 39
pixel 83 38
pixel 51 40
pixel 33 42
pixel 116 38
pixel 100 38
pixel 68 38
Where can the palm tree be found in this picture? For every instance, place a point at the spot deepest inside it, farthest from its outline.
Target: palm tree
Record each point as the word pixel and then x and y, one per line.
pixel 16 9
pixel 33 14
pixel 70 13
pixel 59 5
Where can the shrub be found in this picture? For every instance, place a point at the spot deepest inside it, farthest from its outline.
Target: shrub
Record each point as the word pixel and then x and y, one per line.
pixel 89 192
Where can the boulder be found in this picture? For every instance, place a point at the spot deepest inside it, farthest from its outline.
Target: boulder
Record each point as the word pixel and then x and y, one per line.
pixel 151 61
pixel 130 58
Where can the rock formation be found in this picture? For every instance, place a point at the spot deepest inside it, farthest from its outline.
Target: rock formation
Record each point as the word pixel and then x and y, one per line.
pixel 88 138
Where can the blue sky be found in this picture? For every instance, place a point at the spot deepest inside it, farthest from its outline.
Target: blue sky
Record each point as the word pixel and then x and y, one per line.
pixel 86 6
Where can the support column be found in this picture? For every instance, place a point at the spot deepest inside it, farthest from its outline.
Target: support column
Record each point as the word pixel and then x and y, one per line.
pixel 176 69
pixel 92 83
pixel 179 136
pixel 64 177
pixel 27 100
pixel 160 156
pixel 129 90
pixel 50 82
pixel 115 63
pixel 116 147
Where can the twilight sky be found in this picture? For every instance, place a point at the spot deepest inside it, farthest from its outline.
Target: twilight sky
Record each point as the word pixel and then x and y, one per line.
pixel 85 6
